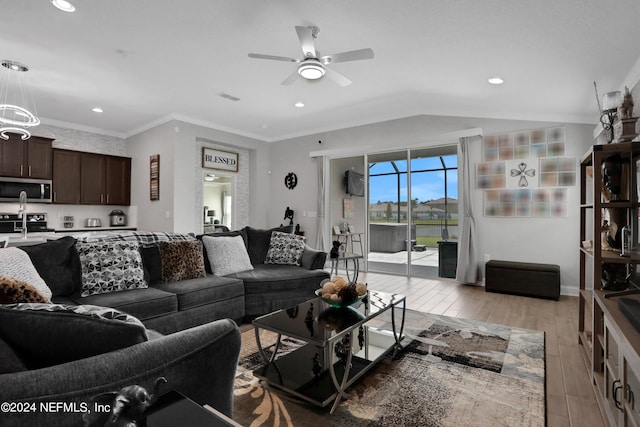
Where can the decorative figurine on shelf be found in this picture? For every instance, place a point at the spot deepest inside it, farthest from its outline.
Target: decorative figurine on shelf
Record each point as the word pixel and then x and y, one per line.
pixel 126 406
pixel 297 231
pixel 335 251
pixel 626 108
pixel 288 214
pixel 612 175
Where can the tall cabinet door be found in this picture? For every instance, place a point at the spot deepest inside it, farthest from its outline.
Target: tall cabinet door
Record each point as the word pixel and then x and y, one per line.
pixel 118 180
pixel 12 157
pixel 39 158
pixel 66 177
pixel 92 179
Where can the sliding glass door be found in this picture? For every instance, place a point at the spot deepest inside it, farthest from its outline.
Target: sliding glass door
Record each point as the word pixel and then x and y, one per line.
pixel 413 208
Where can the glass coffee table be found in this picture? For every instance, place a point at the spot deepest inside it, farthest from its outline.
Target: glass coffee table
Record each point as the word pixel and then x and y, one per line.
pixel 340 345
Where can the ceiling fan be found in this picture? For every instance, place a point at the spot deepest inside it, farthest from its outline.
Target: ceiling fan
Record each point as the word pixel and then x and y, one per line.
pixel 313 66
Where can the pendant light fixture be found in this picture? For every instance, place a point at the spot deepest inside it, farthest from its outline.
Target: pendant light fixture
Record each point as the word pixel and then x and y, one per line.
pixel 16 115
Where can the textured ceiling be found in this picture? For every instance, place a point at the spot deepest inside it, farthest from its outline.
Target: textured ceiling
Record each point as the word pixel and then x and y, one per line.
pixel 145 61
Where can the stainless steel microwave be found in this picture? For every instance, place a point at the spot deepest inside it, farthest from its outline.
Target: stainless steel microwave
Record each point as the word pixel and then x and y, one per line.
pixel 38 190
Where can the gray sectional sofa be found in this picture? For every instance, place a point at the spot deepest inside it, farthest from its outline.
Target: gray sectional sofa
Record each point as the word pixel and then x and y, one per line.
pixel 188 328
pixel 171 307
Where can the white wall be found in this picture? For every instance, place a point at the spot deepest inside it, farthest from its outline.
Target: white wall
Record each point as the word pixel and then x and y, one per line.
pixel 181 191
pixel 548 240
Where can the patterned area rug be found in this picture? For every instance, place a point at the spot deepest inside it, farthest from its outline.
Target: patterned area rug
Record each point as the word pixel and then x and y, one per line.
pixel 451 373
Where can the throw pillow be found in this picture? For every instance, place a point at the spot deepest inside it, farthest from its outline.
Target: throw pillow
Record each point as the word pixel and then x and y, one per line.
pixel 258 241
pixel 181 260
pixel 227 255
pixel 110 267
pixel 17 264
pixel 50 334
pixel 14 290
pixel 207 264
pixel 58 264
pixel 9 361
pixel 285 248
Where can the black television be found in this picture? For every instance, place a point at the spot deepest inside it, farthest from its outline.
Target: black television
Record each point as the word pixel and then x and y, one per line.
pixel 354 183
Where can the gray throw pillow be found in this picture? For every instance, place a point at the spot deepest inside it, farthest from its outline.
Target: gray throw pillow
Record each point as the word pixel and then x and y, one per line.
pixel 51 334
pixel 285 248
pixel 110 267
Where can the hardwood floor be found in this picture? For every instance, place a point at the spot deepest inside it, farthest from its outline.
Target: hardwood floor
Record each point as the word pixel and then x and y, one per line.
pixel 570 398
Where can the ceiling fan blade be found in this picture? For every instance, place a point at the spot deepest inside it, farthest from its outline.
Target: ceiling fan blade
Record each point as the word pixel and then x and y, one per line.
pixel 306 41
pixel 353 55
pixel 272 57
pixel 292 78
pixel 336 77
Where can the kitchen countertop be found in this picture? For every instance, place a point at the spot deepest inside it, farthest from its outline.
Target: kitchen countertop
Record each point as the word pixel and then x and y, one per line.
pixel 34 238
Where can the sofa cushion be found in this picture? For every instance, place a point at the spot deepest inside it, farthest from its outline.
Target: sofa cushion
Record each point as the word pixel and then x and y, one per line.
pixel 285 248
pixel 207 264
pixel 181 260
pixel 58 264
pixel 110 267
pixel 17 264
pixel 141 303
pixel 14 291
pixel 9 361
pixel 51 334
pixel 258 241
pixel 152 263
pixel 227 255
pixel 269 278
pixel 196 292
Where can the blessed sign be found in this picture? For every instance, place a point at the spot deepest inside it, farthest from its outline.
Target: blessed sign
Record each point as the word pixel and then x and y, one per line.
pixel 217 159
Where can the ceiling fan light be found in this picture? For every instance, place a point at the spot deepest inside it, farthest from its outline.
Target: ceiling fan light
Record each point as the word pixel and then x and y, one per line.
pixel 311 69
pixel 63 5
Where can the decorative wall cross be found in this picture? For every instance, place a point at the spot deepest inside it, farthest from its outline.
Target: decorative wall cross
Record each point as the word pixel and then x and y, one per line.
pixel 523 173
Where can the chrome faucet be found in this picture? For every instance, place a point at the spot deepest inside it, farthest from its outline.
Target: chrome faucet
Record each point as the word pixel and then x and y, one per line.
pixel 22 213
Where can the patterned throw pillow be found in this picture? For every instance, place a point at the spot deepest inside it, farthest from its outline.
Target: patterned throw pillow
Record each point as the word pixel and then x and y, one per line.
pixel 17 264
pixel 14 291
pixel 181 260
pixel 285 248
pixel 110 267
pixel 50 334
pixel 227 254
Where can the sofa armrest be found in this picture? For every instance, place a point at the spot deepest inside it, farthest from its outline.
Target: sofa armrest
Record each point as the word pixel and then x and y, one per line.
pixel 313 259
pixel 199 362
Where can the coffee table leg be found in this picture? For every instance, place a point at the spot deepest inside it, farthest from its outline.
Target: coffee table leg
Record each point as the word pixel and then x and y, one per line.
pixel 398 335
pixel 340 385
pixel 263 353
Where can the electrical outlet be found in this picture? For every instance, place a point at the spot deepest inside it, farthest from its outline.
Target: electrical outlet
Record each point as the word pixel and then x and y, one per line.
pixel 487 257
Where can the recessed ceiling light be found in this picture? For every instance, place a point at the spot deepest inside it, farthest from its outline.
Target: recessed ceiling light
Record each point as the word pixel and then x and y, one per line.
pixel 97 110
pixel 496 80
pixel 63 5
pixel 299 104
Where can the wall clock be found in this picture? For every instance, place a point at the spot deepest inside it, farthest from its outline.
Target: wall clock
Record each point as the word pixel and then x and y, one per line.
pixel 290 181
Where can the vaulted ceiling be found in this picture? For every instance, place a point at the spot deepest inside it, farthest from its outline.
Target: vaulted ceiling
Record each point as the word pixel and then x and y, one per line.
pixel 146 61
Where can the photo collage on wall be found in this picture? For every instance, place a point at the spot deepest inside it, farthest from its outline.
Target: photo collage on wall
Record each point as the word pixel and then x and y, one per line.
pixel 525 174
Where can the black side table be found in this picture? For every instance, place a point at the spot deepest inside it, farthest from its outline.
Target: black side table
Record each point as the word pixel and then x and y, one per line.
pixel 447 258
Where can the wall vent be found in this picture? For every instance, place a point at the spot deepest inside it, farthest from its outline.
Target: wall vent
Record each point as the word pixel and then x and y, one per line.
pixel 227 96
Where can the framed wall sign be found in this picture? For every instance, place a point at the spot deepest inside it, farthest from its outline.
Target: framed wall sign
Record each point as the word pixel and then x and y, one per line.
pixel 218 159
pixel 154 177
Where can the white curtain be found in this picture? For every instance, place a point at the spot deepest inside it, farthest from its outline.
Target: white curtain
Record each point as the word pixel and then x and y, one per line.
pixel 468 259
pixel 320 205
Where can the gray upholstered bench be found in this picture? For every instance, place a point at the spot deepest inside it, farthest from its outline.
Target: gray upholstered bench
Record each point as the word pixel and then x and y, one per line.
pixel 523 278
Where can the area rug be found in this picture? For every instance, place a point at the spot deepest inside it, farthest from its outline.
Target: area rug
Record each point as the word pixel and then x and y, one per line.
pixel 450 373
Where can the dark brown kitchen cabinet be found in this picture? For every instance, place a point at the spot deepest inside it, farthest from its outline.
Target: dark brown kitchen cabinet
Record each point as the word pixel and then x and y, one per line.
pixel 26 159
pixel 92 178
pixel 105 180
pixel 118 180
pixel 66 177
